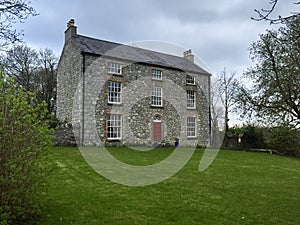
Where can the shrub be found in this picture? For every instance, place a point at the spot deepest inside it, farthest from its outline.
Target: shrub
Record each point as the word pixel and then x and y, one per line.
pixel 284 139
pixel 24 134
pixel 252 137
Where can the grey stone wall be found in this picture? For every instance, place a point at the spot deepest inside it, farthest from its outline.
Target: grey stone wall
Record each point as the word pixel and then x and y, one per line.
pixel 68 76
pixel 136 110
pixel 136 106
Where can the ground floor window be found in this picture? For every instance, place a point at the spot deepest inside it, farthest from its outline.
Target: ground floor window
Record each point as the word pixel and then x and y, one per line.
pixel 191 127
pixel 114 126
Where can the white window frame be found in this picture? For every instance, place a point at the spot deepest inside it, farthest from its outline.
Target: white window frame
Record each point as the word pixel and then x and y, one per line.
pixel 191 99
pixel 156 96
pixel 156 74
pixel 191 127
pixel 114 95
pixel 114 127
pixel 114 68
pixel 190 78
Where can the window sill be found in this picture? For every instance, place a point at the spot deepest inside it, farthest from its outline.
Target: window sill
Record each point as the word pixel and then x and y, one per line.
pixel 156 79
pixel 157 106
pixel 192 138
pixel 115 74
pixel 114 103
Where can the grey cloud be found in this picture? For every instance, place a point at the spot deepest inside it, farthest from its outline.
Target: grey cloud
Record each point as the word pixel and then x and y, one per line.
pixel 219 31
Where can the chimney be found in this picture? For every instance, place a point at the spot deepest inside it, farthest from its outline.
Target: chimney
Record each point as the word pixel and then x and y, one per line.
pixel 71 29
pixel 188 55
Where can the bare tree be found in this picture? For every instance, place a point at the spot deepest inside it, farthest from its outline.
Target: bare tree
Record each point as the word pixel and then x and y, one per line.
pixel 217 111
pixel 217 115
pixel 264 14
pixel 227 85
pixel 33 71
pixel 45 78
pixel 11 12
pixel 21 62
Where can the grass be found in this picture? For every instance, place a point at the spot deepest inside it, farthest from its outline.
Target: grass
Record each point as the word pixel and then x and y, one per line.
pixel 238 188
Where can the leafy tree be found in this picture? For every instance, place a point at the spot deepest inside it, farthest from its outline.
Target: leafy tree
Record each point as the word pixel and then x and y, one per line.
pixel 274 95
pixel 24 135
pixel 13 11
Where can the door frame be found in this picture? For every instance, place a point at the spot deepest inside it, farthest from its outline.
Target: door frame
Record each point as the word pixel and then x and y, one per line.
pixel 157 120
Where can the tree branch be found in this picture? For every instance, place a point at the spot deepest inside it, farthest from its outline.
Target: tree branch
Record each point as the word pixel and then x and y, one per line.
pixel 13 11
pixel 264 14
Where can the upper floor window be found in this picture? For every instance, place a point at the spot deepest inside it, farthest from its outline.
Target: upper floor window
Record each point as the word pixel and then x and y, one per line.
pixel 114 68
pixel 114 92
pixel 156 74
pixel 191 99
pixel 190 79
pixel 156 96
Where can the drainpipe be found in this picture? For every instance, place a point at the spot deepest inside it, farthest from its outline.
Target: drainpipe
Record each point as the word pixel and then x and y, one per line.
pixel 83 98
pixel 209 113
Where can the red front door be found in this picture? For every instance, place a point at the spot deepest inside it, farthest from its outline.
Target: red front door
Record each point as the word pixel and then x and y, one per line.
pixel 156 131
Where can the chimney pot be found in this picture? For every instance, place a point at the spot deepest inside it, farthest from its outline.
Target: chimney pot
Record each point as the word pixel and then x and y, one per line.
pixel 71 23
pixel 71 29
pixel 188 55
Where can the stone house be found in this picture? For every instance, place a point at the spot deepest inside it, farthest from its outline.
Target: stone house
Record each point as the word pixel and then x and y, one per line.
pixel 112 92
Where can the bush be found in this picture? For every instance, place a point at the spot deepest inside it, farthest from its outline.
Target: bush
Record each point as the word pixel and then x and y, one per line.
pixel 24 134
pixel 252 137
pixel 284 139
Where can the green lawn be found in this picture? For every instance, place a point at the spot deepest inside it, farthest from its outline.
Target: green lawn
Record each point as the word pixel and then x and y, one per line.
pixel 238 188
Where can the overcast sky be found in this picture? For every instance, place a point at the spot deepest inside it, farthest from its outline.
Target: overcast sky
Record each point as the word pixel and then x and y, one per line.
pixel 219 32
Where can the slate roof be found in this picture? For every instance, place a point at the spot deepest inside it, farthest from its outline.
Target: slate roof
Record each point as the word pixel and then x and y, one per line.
pixel 134 54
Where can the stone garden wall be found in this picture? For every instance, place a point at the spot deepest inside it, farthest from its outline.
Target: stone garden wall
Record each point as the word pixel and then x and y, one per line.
pixel 64 136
